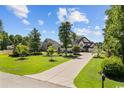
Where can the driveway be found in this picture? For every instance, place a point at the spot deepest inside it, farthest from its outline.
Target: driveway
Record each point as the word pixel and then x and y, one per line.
pixel 64 74
pixel 15 81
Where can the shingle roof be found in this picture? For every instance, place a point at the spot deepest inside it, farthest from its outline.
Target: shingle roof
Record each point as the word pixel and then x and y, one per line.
pixel 87 42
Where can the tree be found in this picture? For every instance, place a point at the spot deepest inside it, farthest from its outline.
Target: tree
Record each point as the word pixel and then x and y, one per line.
pixel 1 26
pixel 3 37
pixel 97 49
pixel 76 49
pixel 59 50
pixel 64 35
pixel 35 43
pixel 22 50
pixel 15 40
pixel 50 51
pixel 114 30
pixel 73 37
pixel 25 41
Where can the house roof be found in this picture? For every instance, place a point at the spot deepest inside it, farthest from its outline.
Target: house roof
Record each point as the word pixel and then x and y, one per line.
pixel 84 39
pixel 87 42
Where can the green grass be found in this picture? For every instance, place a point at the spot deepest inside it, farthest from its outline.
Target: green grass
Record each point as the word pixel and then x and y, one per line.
pixel 89 77
pixel 31 65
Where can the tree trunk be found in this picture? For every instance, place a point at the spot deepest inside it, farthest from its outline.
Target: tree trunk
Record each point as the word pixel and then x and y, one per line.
pixel 65 51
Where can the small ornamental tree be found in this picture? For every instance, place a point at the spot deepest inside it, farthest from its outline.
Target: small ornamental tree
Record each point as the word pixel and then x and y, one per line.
pixel 21 50
pixel 50 51
pixel 76 49
pixel 97 50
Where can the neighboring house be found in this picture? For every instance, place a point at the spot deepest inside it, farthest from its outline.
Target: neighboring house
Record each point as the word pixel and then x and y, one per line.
pixel 85 44
pixel 47 42
pixel 10 47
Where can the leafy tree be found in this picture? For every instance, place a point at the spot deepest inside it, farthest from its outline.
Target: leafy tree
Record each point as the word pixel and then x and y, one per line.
pixel 35 43
pixel 114 30
pixel 76 49
pixel 25 41
pixel 15 40
pixel 3 37
pixel 1 26
pixel 50 50
pixel 59 50
pixel 22 50
pixel 65 35
pixel 73 37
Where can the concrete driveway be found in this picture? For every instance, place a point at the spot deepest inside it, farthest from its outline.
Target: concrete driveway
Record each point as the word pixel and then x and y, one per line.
pixel 64 74
pixel 15 81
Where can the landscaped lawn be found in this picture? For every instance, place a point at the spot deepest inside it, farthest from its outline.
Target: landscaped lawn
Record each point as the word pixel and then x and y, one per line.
pixel 31 65
pixel 89 77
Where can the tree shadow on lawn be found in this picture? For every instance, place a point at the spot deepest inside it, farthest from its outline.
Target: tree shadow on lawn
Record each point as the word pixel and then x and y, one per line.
pixel 22 58
pixel 98 57
pixel 118 79
pixel 52 60
pixel 71 56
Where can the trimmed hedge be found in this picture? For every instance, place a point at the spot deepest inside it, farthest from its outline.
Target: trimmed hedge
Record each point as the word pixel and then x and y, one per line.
pixel 113 66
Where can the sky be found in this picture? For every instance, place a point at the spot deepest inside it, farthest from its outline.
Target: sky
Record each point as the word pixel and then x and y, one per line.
pixel 86 20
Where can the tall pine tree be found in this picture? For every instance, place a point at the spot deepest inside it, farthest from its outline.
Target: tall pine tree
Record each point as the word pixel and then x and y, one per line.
pixel 35 43
pixel 65 35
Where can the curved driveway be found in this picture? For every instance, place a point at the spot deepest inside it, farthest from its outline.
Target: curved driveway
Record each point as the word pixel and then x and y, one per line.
pixel 65 73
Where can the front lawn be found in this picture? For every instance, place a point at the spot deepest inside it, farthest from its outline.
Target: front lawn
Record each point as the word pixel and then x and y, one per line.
pixel 89 77
pixel 30 65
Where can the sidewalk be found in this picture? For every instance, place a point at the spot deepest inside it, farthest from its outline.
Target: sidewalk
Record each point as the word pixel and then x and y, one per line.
pixel 65 73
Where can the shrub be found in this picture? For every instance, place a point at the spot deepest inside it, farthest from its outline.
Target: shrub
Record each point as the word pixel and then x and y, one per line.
pixel 36 53
pixel 76 49
pixel 113 66
pixel 21 50
pixel 97 50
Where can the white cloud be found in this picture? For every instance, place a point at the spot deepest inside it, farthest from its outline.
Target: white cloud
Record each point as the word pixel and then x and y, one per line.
pixel 77 16
pixel 20 11
pixel 25 22
pixel 98 33
pixel 49 14
pixel 40 22
pixel 72 9
pixel 106 17
pixel 104 26
pixel 97 27
pixel 72 15
pixel 82 31
pixel 52 31
pixel 89 26
pixel 87 31
pixel 62 13
pixel 44 31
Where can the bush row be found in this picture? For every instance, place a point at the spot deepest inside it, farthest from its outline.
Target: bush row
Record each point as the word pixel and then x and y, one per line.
pixel 33 53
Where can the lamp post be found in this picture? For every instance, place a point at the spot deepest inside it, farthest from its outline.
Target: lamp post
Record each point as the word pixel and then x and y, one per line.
pixel 102 77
